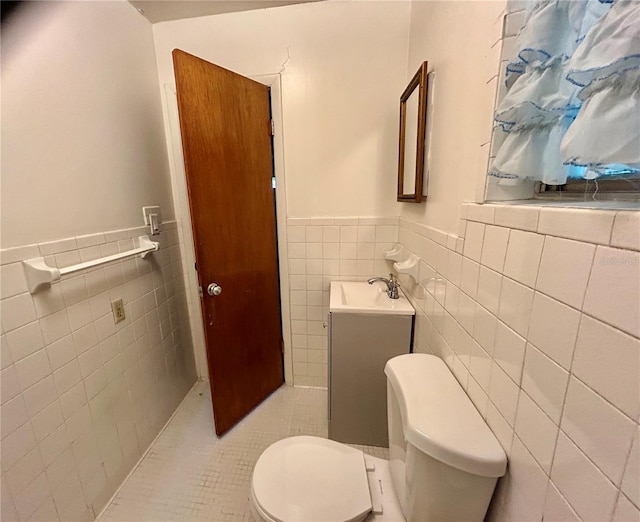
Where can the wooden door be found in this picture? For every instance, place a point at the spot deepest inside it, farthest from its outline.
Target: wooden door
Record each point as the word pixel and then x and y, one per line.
pixel 225 123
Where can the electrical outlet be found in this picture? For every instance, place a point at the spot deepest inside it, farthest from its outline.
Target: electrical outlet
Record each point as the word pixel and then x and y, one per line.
pixel 118 310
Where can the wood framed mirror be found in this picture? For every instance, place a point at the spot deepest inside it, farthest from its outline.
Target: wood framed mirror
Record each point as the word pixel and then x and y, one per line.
pixel 413 127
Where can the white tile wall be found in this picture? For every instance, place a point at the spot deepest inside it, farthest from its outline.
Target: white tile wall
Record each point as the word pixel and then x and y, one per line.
pixel 82 397
pixel 551 358
pixel 322 250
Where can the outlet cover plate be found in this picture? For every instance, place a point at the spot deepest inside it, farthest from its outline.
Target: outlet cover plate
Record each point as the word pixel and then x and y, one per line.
pixel 117 308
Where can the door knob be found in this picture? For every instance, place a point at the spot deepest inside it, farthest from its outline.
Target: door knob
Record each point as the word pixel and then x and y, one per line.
pixel 214 289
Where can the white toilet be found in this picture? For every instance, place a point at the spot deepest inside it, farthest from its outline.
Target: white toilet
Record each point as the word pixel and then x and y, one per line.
pixel 443 460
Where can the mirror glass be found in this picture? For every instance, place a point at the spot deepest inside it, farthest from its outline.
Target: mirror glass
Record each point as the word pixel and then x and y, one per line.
pixel 410 144
pixel 413 116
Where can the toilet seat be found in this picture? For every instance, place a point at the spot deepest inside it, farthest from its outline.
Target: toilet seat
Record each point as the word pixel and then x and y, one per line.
pixel 307 479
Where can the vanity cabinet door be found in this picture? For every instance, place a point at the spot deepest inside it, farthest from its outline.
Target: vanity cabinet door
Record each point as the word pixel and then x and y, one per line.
pixel 360 345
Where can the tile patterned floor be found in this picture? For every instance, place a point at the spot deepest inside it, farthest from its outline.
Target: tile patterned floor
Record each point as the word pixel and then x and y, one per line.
pixel 190 474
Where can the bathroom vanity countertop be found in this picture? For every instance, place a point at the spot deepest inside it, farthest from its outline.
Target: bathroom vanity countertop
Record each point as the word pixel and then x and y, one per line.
pixel 359 297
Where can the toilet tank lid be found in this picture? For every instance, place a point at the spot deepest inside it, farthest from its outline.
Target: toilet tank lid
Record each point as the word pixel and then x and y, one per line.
pixel 439 419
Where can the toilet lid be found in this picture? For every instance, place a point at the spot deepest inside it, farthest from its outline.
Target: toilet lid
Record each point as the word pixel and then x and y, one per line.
pixel 306 479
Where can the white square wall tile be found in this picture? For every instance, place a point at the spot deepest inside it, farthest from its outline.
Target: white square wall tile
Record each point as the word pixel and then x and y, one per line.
pixel 473 240
pixel 17 445
pixel 454 267
pixel 5 354
pixel 14 414
pixel 386 233
pixel 74 289
pixel 480 367
pixel 24 341
pixel 25 472
pixel 18 254
pixel 12 280
pixel 47 421
pixel 314 250
pixel 625 510
pixel 626 230
pixel 599 429
pixel 466 312
pixel 631 478
pixel 523 257
pixel 564 270
pixel 330 234
pixel 348 234
pixel 469 276
pixel 40 395
pixel 348 251
pixel 503 392
pixel 367 234
pixel 517 216
pixel 365 251
pixel 28 502
pixel 33 368
pixel 297 282
pixel 606 359
pixel 500 427
pixel 297 250
pixel 297 266
pixel 9 384
pixel 613 293
pixel 509 351
pixel 484 328
pixel 489 285
pixel 593 226
pixel 545 382
pixel 528 485
pixel 556 508
pixel 296 234
pixel 55 326
pixel 537 431
pixel 483 213
pixel 17 311
pixel 553 329
pixel 314 233
pixel 331 250
pixel 516 301
pixel 49 301
pixel 67 377
pixel 494 247
pixel 584 486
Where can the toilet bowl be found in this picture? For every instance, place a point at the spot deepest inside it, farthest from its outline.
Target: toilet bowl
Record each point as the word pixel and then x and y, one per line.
pixel 443 460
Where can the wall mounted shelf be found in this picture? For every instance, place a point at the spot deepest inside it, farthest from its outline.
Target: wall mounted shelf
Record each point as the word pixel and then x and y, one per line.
pixel 40 276
pixel 405 262
pixel 409 266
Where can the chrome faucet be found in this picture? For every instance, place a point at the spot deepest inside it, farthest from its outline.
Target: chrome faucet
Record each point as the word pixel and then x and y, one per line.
pixel 392 285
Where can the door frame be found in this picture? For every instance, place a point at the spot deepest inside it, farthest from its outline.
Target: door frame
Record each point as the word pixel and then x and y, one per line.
pixel 183 216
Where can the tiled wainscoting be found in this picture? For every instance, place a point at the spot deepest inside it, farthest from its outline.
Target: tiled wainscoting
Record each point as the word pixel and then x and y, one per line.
pixel 322 250
pixel 82 397
pixel 538 317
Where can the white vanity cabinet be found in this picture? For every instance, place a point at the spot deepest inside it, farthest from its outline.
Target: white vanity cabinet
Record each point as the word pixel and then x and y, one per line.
pixel 366 329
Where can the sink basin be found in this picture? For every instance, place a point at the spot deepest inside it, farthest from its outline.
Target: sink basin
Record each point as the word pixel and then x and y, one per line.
pixel 363 298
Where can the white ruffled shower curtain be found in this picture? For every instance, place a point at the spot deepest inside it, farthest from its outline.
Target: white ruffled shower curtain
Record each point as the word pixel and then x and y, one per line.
pixel 572 106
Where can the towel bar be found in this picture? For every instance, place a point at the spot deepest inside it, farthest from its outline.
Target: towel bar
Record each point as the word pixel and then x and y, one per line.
pixel 40 276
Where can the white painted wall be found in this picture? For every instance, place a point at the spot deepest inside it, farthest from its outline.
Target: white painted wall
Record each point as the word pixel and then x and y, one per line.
pixel 342 66
pixel 456 39
pixel 83 144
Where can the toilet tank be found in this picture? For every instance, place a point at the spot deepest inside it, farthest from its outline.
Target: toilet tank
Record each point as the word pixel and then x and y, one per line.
pixel 444 459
